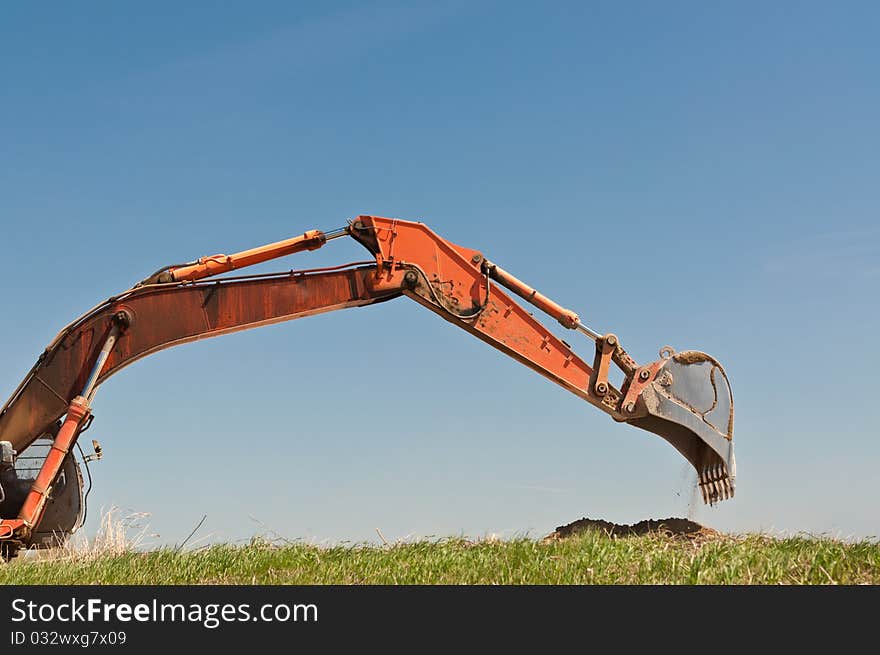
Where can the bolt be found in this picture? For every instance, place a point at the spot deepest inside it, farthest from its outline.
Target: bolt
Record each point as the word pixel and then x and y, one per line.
pixel 644 374
pixel 630 408
pixel 611 340
pixel 410 278
pixel 477 258
pixel 122 319
pixel 601 388
pixel 358 225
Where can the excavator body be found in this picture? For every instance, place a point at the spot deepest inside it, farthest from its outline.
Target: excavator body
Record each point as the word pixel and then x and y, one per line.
pixel 683 397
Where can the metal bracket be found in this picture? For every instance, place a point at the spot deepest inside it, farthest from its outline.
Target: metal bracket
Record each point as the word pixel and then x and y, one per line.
pixel 640 379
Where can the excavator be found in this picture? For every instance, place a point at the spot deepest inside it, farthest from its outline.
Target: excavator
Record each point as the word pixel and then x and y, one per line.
pixel 683 397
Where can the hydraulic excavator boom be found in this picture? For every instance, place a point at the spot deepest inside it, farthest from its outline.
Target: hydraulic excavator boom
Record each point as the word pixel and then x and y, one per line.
pixel 683 397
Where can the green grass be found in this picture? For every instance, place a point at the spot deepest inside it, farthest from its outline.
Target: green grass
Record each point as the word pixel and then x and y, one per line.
pixel 592 558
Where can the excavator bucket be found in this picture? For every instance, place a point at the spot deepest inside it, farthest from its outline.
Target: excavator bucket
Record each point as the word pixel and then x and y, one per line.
pixel 689 403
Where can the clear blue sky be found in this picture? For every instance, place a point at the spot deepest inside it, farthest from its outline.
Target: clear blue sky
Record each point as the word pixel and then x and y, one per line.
pixel 678 173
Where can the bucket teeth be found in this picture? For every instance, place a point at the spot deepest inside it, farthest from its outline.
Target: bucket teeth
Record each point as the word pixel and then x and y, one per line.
pixel 725 481
pixel 715 484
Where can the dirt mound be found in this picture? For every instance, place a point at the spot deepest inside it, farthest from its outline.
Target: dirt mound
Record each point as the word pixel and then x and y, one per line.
pixel 673 527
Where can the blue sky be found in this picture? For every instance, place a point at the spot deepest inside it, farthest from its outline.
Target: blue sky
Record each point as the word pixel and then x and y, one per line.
pixel 699 175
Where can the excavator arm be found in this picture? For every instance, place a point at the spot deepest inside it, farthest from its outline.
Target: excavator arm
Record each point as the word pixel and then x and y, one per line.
pixel 683 397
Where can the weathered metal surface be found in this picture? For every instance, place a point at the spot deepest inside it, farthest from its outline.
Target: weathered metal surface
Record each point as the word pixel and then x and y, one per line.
pixel 168 315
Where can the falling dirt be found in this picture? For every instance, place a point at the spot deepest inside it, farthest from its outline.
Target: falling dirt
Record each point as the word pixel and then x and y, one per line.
pixel 671 527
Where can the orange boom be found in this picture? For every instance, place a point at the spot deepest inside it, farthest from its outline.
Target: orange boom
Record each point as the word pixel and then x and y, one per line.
pixel 683 397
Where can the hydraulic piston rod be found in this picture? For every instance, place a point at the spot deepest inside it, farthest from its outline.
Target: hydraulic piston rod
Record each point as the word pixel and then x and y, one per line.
pixel 90 386
pixel 78 413
pixel 566 317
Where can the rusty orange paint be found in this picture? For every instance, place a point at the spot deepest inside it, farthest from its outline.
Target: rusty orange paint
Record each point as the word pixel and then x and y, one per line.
pixel 217 264
pixel 168 315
